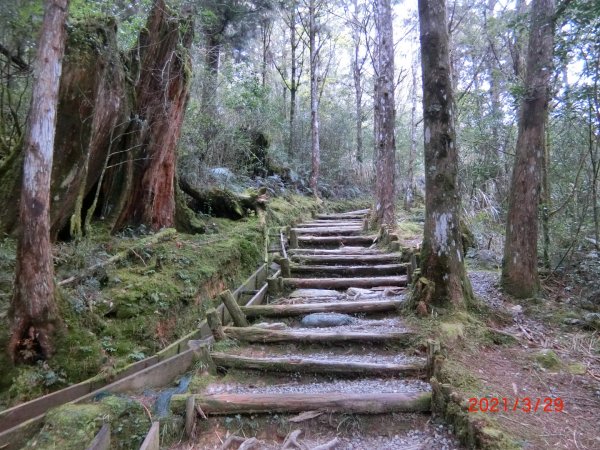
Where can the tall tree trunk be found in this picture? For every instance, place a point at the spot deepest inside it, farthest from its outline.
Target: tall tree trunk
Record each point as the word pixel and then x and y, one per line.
pixel 520 269
pixel 385 116
pixel 266 29
pixel 409 190
pixel 293 78
pixel 357 65
pixel 33 311
pixel 164 70
pixel 314 100
pixel 442 252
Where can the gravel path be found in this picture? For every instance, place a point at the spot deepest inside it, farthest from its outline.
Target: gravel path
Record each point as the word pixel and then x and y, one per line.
pixel 377 385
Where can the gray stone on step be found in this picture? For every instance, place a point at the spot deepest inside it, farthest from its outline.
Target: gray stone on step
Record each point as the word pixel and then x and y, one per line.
pixel 322 320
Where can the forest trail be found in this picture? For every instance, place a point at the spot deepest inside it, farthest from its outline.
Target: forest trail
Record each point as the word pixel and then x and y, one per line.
pixel 329 365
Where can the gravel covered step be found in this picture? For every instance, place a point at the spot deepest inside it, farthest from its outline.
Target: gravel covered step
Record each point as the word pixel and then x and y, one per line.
pixel 307 308
pixel 330 223
pixel 257 334
pixel 344 283
pixel 352 403
pixel 336 240
pixel 346 367
pixel 351 260
pixel 336 230
pixel 349 250
pixel 341 270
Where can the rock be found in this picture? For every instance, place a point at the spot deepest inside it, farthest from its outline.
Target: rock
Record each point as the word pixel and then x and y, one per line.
pixel 322 320
pixel 353 292
pixel 592 321
pixel 221 174
pixel 571 321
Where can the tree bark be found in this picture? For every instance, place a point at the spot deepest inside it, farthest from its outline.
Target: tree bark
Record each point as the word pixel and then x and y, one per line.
pixel 161 94
pixel 520 269
pixel 385 115
pixel 314 99
pixel 33 311
pixel 442 252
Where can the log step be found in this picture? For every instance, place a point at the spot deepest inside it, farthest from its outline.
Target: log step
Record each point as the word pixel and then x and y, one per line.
pixel 337 251
pixel 257 334
pixel 335 402
pixel 344 283
pixel 352 260
pixel 329 231
pixel 340 216
pixel 315 365
pixel 354 307
pixel 330 223
pixel 375 270
pixel 336 240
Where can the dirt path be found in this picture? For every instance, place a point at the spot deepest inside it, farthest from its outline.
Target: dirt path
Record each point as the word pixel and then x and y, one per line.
pixel 329 380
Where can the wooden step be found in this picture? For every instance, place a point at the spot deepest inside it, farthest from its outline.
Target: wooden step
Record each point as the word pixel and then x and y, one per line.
pixel 353 307
pixel 328 231
pixel 257 334
pixel 314 365
pixel 349 250
pixel 336 402
pixel 340 216
pixel 345 283
pixel 307 241
pixel 362 270
pixel 330 223
pixel 343 259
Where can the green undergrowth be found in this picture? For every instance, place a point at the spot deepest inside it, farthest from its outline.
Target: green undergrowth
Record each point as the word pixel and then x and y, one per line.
pixel 72 427
pixel 129 310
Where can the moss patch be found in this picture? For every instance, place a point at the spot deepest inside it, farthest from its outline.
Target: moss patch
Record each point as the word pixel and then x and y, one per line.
pixel 547 359
pixel 74 426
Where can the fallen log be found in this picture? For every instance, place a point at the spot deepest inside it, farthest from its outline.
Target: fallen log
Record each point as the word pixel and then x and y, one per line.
pixel 325 231
pixel 256 334
pixel 313 365
pixel 362 270
pixel 363 403
pixel 308 308
pixel 344 283
pixel 221 202
pixel 234 309
pixel 347 259
pixel 336 240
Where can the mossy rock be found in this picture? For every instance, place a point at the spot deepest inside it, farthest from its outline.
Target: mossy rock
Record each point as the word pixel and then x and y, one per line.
pixel 547 359
pixel 577 369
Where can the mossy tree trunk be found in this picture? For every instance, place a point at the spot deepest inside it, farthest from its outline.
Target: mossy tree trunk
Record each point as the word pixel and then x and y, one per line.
pixel 520 264
pixel 33 310
pixel 385 116
pixel 161 94
pixel 442 264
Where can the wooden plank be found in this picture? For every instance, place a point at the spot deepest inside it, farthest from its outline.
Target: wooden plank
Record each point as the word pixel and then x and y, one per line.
pixel 354 307
pixel 360 270
pixel 102 439
pixel 256 334
pixel 386 258
pixel 345 283
pixel 330 223
pixel 336 240
pixel 16 437
pixel 152 441
pixel 351 403
pixel 329 231
pixel 313 365
pixel 336 251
